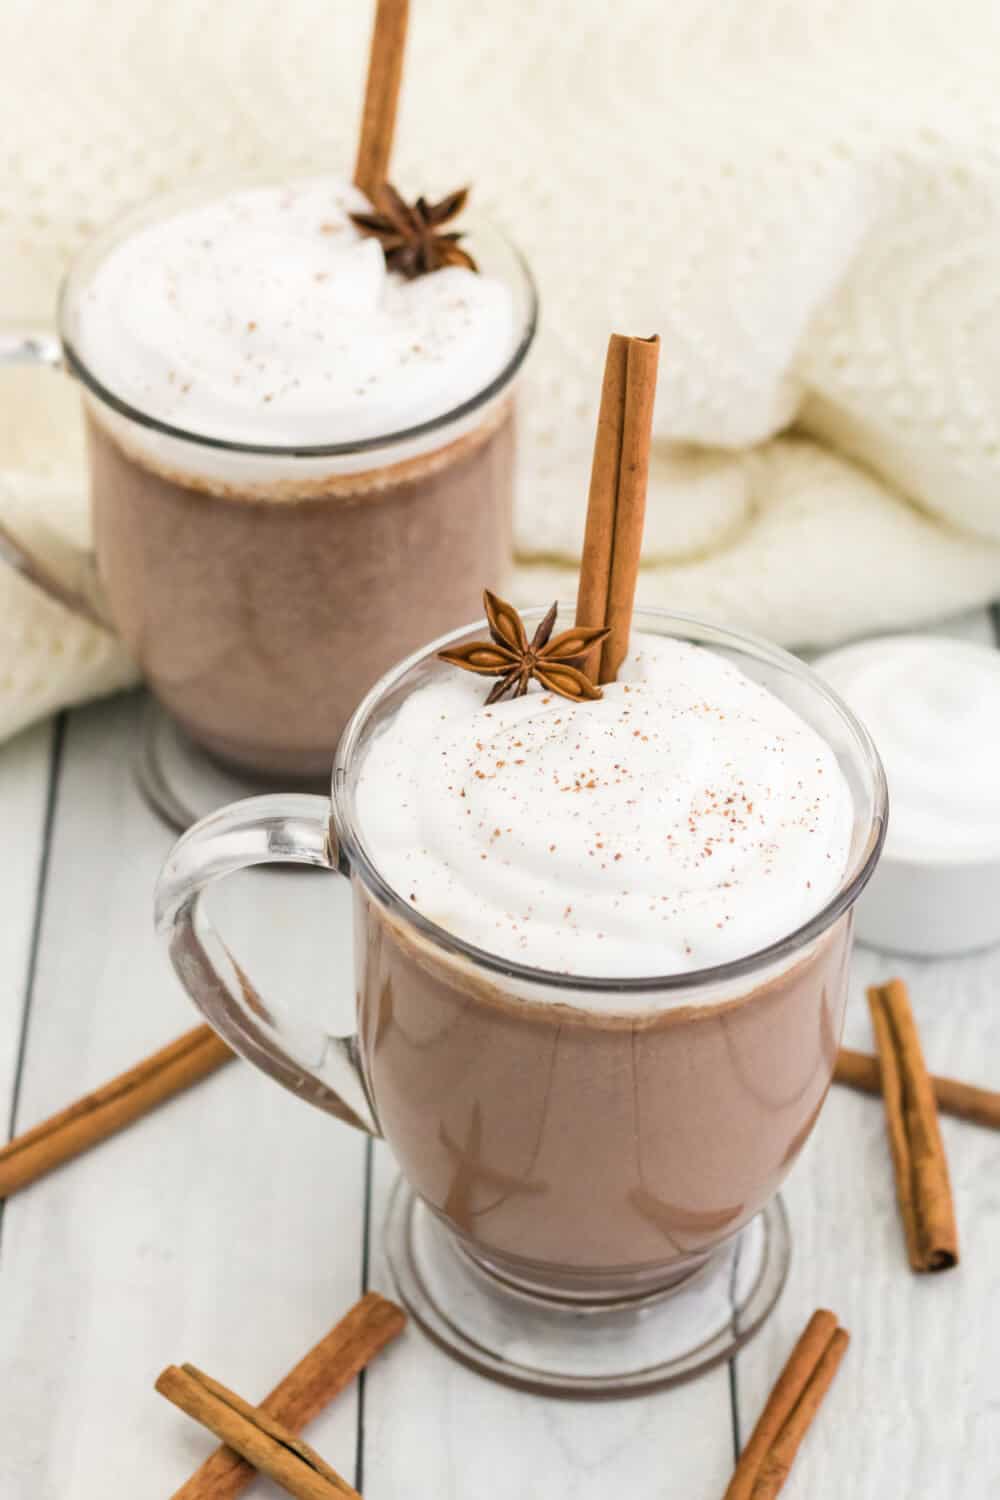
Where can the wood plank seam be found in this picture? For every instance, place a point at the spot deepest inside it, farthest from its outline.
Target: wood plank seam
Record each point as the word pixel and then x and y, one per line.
pixel 366 1221
pixel 37 917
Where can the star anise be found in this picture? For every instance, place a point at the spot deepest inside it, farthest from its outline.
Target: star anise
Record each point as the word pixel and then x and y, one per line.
pixel 516 660
pixel 409 232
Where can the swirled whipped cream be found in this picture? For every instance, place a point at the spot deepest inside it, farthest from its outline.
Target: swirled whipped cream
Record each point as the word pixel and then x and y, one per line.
pixel 686 819
pixel 932 705
pixel 265 317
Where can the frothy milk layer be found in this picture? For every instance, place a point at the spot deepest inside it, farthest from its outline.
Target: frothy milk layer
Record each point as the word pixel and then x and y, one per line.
pixel 264 317
pixel 932 706
pixel 686 819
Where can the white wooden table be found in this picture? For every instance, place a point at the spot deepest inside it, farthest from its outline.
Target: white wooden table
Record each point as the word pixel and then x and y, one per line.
pixel 235 1225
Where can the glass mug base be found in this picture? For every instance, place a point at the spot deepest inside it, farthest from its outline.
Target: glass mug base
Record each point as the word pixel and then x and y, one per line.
pixel 182 783
pixel 572 1348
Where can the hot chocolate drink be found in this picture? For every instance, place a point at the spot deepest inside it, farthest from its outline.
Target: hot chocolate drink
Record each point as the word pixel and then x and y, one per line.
pixel 301 461
pixel 600 964
pixel 261 622
pixel 609 1139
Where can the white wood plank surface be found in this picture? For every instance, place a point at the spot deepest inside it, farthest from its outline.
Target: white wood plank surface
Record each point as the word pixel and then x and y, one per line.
pixel 224 1229
pixel 229 1227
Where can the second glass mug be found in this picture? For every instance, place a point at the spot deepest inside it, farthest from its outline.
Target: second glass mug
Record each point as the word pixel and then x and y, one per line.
pixel 263 589
pixel 588 1194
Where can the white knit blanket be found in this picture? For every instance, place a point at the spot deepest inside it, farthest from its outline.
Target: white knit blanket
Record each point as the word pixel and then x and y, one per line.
pixel 802 197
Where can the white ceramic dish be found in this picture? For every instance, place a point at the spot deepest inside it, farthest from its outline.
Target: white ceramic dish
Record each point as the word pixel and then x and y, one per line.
pixel 932 705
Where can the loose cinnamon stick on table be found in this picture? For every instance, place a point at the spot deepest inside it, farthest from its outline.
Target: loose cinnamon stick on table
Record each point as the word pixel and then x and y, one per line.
pixel 305 1391
pixel 767 1458
pixel 616 507
pixel 385 74
pixel 923 1187
pixel 861 1071
pixel 267 1444
pixel 110 1108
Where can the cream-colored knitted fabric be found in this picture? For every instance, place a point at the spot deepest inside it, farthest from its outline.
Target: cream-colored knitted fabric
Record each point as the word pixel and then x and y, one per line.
pixel 801 196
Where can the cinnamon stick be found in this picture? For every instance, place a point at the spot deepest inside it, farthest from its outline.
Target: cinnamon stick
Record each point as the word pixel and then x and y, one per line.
pixel 767 1458
pixel 616 507
pixel 110 1108
pixel 385 73
pixel 305 1391
pixel 923 1187
pixel 602 502
pixel 861 1071
pixel 265 1443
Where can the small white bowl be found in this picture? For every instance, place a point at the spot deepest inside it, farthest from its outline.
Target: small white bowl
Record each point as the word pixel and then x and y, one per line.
pixel 930 909
pixel 932 706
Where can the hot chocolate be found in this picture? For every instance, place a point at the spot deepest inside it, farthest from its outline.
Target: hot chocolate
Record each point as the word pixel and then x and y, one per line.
pixel 261 623
pixel 638 1141
pixel 301 461
pixel 684 822
pixel 600 963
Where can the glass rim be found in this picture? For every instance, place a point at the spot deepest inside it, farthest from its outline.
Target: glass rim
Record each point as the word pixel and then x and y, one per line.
pixel 350 844
pixel 150 210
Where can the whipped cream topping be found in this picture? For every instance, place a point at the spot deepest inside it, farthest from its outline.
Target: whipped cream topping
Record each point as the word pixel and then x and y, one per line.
pixel 932 706
pixel 686 819
pixel 265 317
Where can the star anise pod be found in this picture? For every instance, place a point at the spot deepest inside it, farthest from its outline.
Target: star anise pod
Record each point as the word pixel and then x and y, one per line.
pixel 409 233
pixel 516 660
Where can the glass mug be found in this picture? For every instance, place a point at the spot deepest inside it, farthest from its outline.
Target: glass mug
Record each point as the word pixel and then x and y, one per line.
pixel 263 589
pixel 587 1200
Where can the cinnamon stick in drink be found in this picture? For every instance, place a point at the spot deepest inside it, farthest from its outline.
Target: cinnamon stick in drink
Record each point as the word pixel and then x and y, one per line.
pixel 602 503
pixel 385 74
pixel 923 1186
pixel 767 1458
pixel 616 507
pixel 861 1071
pixel 110 1108
pixel 303 1393
pixel 265 1443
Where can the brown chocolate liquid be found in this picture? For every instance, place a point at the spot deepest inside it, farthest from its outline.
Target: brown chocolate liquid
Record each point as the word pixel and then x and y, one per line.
pixel 592 1154
pixel 261 622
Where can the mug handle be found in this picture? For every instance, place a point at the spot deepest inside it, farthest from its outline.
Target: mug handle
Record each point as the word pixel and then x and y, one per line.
pixel 67 573
pixel 287 828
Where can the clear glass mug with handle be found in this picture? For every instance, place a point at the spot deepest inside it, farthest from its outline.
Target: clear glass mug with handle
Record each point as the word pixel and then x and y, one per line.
pixel 241 576
pixel 587 1201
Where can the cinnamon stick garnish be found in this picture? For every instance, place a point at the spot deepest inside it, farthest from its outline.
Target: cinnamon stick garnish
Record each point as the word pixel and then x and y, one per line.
pixel 616 507
pixel 385 73
pixel 766 1460
pixel 110 1108
pixel 602 503
pixel 923 1187
pixel 305 1391
pixel 264 1442
pixel 861 1071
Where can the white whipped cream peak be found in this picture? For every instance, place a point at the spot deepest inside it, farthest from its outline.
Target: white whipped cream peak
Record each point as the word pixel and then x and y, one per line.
pixel 686 819
pixel 265 317
pixel 932 706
